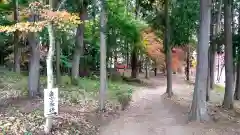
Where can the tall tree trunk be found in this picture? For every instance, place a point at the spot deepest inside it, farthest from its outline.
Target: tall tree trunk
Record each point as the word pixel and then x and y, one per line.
pixel 168 50
pixel 103 72
pixel 134 55
pixel 198 110
pixel 58 49
pixel 218 29
pixel 49 62
pixel 212 50
pixel 17 52
pixel 34 66
pixel 237 84
pixel 215 30
pixel 79 50
pixel 228 96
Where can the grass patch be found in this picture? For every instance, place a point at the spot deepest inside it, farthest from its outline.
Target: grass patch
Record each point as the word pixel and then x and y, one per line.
pixel 219 88
pixel 84 89
pixel 89 88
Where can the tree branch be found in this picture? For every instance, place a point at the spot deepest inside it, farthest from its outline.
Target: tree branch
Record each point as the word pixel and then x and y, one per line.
pixel 61 4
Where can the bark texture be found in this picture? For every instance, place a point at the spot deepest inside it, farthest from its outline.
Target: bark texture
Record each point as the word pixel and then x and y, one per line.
pixel 237 87
pixel 103 70
pixel 228 96
pixel 79 50
pixel 17 51
pixel 198 110
pixel 34 66
pixel 168 51
pixel 134 63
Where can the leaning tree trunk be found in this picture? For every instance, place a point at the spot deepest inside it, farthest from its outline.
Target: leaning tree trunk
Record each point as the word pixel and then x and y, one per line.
pixel 34 66
pixel 17 52
pixel 198 110
pixel 79 50
pixel 168 51
pixel 103 71
pixel 228 96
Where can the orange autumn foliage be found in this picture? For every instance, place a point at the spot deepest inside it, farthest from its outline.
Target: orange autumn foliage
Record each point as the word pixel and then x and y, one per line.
pixel 63 20
pixel 154 49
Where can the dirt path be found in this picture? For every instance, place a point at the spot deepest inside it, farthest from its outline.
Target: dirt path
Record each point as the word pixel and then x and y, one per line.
pixel 152 114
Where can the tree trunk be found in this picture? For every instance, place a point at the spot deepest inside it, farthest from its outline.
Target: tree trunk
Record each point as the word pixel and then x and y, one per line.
pixel 58 70
pixel 134 59
pixel 198 110
pixel 212 50
pixel 208 75
pixel 168 51
pixel 34 66
pixel 237 83
pixel 237 87
pixel 134 63
pixel 140 62
pixel 79 50
pixel 228 96
pixel 103 73
pixel 155 68
pixel 127 54
pixel 188 64
pixel 146 67
pixel 17 51
pixel 49 62
pixel 218 30
pixel 115 60
pixel 50 80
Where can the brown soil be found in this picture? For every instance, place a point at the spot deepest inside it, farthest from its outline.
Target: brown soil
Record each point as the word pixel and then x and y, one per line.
pixel 150 113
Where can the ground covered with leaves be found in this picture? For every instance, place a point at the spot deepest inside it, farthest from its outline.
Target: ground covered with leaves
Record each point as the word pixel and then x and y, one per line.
pixel 78 106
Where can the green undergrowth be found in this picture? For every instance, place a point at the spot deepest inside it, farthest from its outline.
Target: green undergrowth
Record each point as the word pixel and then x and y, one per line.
pixel 84 90
pixel 219 88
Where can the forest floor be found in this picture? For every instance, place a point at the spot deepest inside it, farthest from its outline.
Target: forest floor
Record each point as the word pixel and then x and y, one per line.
pixel 151 113
pixel 78 105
